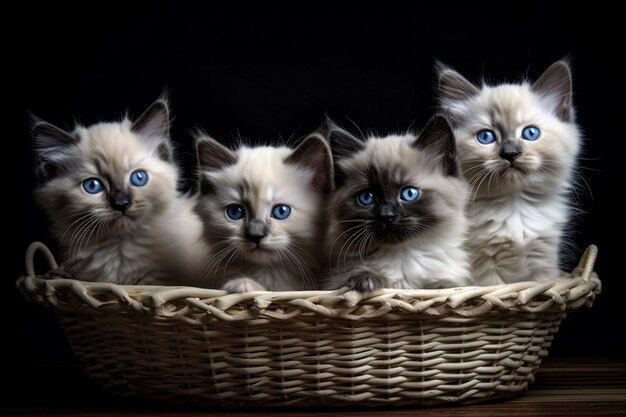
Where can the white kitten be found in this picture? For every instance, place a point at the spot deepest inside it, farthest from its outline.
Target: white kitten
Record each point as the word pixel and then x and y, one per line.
pixel 110 192
pixel 263 213
pixel 517 146
pixel 398 212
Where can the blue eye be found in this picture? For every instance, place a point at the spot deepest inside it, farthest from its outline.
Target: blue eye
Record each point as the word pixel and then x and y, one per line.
pixel 365 197
pixel 486 137
pixel 281 211
pixel 93 185
pixel 139 178
pixel 235 211
pixel 531 133
pixel 410 194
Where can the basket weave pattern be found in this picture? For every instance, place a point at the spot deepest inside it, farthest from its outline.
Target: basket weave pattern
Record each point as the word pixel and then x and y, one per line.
pixel 181 344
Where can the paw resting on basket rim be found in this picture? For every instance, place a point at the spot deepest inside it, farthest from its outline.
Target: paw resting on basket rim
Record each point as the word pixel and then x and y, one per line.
pixel 243 285
pixel 364 281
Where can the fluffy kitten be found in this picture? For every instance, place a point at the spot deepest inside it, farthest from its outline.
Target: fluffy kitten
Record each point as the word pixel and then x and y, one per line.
pixel 517 147
pixel 263 213
pixel 398 211
pixel 110 192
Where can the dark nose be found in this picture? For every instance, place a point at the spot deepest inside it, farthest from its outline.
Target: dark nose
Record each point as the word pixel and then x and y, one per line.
pixel 255 231
pixel 120 201
pixel 387 213
pixel 510 151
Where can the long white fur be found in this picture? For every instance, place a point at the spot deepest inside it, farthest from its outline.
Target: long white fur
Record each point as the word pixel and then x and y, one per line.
pixel 517 222
pixel 161 244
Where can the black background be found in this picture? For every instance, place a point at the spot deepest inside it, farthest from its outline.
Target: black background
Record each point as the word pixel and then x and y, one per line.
pixel 264 74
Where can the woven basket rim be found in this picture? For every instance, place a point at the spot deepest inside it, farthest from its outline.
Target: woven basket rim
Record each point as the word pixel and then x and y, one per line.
pixel 207 347
pixel 54 290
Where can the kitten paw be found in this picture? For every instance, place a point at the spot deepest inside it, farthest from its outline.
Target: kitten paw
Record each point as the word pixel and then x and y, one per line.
pixel 364 281
pixel 243 285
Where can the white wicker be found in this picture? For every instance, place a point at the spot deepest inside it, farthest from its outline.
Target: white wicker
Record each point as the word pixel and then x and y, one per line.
pixel 392 347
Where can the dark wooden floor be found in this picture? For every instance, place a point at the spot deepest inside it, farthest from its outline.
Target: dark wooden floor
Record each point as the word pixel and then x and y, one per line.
pixel 564 387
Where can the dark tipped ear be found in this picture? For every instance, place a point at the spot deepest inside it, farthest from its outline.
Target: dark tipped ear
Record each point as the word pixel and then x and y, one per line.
pixel 437 140
pixel 314 153
pixel 155 121
pixel 453 86
pixel 342 145
pixel 47 137
pixel 556 84
pixel 51 145
pixel 154 125
pixel 212 156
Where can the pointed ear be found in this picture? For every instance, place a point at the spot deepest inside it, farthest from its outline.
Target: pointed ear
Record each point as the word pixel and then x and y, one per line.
pixel 154 125
pixel 453 86
pixel 343 145
pixel 51 145
pixel 212 156
pixel 314 154
pixel 556 84
pixel 437 140
pixel 155 121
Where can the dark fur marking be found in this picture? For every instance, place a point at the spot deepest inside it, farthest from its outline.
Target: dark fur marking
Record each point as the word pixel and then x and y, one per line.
pixel 438 140
pixel 212 156
pixel 411 217
pixel 364 281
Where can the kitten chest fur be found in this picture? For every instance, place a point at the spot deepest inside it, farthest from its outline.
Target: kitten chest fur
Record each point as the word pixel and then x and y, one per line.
pixel 519 233
pixel 419 265
pixel 115 258
pixel 151 255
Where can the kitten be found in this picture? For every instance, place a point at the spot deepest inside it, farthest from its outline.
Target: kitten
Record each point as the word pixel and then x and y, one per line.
pixel 262 209
pixel 517 148
pixel 398 212
pixel 109 191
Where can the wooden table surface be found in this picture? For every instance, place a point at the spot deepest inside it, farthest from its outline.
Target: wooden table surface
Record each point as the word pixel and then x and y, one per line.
pixel 564 387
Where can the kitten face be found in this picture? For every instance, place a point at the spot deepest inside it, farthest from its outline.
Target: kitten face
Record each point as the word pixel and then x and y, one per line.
pixel 106 179
pixel 261 205
pixel 513 136
pixel 395 189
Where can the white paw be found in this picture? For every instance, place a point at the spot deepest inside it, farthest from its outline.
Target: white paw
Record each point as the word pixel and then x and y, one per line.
pixel 243 285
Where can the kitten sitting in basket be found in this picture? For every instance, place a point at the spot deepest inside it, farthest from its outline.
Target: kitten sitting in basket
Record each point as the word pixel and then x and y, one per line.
pixel 478 197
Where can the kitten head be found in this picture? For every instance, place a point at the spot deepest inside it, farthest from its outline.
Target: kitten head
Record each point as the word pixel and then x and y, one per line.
pixel 513 136
pixel 394 189
pixel 107 178
pixel 262 204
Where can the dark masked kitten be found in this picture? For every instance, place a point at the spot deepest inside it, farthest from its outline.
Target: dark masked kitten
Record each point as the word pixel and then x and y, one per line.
pixel 110 193
pixel 263 213
pixel 397 213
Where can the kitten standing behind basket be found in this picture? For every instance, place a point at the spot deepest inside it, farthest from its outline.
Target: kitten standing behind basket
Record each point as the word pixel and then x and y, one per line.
pixel 398 212
pixel 517 147
pixel 263 213
pixel 109 191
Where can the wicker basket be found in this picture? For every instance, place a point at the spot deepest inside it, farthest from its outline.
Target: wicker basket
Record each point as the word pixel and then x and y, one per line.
pixel 208 347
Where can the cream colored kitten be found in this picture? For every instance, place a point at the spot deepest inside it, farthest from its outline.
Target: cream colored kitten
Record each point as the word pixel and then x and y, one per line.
pixel 517 146
pixel 398 212
pixel 262 209
pixel 110 193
